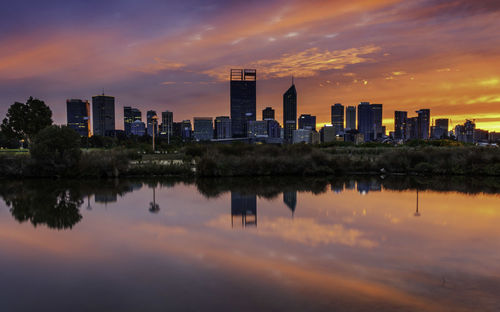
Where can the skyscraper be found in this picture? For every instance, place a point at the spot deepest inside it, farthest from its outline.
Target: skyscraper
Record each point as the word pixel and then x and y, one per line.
pixel 424 119
pixel 243 99
pixel 400 125
pixel 307 122
pixel 377 121
pixel 78 116
pixel 138 128
pixel 443 124
pixel 203 128
pixel 290 200
pixel 152 125
pixel 365 120
pixel 186 130
pixel 338 118
pixel 267 113
pixel 350 118
pixel 167 124
pixel 289 113
pixel 103 114
pixel 244 206
pixel 222 127
pixel 129 116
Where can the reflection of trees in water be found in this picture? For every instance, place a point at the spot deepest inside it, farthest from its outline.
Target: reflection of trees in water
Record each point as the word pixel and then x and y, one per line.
pixel 43 202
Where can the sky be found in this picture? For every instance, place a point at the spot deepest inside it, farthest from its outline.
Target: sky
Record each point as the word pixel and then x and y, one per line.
pixel 176 55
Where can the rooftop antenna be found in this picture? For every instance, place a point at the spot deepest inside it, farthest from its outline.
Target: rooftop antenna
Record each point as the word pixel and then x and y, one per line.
pixel 292 81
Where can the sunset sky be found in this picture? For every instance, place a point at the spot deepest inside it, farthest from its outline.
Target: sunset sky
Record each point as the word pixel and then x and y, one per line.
pixel 176 55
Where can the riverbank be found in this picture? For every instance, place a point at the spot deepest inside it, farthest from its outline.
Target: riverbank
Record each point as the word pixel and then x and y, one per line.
pixel 266 160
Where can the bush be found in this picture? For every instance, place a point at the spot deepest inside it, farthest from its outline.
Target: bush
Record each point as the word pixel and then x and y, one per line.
pixel 56 150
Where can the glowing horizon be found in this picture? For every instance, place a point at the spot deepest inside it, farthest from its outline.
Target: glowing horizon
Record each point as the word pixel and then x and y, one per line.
pixel 161 55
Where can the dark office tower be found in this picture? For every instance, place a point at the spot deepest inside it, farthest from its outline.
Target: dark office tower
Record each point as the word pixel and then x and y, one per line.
pixel 377 121
pixel 244 206
pixel 307 122
pixel 443 124
pixel 290 200
pixel 365 120
pixel 103 115
pixel 289 113
pixel 222 127
pixel 78 116
pixel 167 124
pixel 338 118
pixel 267 113
pixel 350 118
pixel 412 128
pixel 203 129
pixel 129 116
pixel 243 100
pixel 150 122
pixel 400 121
pixel 424 119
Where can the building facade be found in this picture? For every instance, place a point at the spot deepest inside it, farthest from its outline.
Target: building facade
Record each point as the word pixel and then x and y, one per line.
pixel 130 115
pixel 223 127
pixel 350 118
pixel 337 111
pixel 289 114
pixel 365 120
pixel 268 113
pixel 307 122
pixel 243 94
pixel 78 116
pixel 138 128
pixel 167 124
pixel 203 129
pixel 400 125
pixel 103 115
pixel 424 122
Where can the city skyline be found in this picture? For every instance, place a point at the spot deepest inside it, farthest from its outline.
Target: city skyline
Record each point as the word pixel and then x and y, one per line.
pixel 165 56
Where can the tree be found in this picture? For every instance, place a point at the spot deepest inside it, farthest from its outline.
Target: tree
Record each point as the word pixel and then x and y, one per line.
pixel 24 121
pixel 56 149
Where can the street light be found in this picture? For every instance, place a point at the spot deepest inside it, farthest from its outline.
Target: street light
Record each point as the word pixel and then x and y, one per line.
pixel 154 118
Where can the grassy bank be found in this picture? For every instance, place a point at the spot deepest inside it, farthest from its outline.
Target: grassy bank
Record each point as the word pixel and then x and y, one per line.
pixel 266 160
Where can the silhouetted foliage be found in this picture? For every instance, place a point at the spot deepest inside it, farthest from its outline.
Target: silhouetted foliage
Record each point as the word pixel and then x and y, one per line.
pixel 56 149
pixel 24 121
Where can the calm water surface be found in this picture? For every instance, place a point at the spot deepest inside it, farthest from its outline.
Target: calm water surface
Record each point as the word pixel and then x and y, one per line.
pixel 250 245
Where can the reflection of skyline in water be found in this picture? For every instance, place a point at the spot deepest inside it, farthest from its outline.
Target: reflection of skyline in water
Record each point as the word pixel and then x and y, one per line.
pixel 357 251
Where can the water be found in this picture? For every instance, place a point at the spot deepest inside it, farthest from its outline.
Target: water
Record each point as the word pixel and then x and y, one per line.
pixel 347 244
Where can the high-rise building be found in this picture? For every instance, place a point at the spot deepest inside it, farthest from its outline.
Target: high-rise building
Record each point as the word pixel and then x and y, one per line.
pixel 78 116
pixel 257 128
pixel 289 113
pixel 378 131
pixel 443 123
pixel 424 120
pixel 338 118
pixel 152 123
pixel 412 128
pixel 307 122
pixel 138 128
pixel 167 124
pixel 203 129
pixel 350 118
pixel 129 116
pixel 243 99
pixel 268 113
pixel 400 121
pixel 103 115
pixel 328 134
pixel 186 130
pixel 365 121
pixel 222 127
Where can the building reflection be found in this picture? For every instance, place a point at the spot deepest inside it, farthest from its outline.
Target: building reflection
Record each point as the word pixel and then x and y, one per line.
pixel 244 206
pixel 153 206
pixel 290 200
pixel 417 213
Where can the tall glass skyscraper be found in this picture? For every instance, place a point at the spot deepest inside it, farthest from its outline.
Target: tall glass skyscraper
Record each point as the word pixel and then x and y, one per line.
pixel 307 122
pixel 350 118
pixel 377 121
pixel 103 114
pixel 338 118
pixel 289 113
pixel 152 125
pixel 167 124
pixel 268 113
pixel 243 99
pixel 365 120
pixel 78 116
pixel 400 125
pixel 424 120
